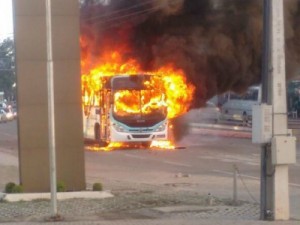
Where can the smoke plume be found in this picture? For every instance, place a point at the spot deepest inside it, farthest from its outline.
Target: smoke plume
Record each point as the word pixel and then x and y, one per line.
pixel 218 43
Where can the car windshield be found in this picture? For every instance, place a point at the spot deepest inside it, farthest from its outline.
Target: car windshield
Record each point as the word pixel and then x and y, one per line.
pixel 250 95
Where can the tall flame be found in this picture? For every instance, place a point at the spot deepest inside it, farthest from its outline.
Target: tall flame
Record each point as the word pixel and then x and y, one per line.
pixel 178 93
pixel 167 92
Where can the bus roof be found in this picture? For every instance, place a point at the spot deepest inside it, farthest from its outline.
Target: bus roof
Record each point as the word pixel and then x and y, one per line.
pixel 127 82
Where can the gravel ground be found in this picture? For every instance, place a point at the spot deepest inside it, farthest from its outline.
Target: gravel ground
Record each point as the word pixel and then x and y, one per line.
pixel 139 202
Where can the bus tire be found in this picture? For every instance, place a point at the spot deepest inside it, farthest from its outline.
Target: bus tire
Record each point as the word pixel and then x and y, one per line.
pixel 97 131
pixel 146 144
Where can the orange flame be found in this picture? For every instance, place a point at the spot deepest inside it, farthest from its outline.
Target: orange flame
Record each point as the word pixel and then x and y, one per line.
pixel 167 87
pixel 162 145
pixel 178 92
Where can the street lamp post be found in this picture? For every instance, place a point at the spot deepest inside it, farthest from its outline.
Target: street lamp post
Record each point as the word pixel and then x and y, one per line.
pixel 51 113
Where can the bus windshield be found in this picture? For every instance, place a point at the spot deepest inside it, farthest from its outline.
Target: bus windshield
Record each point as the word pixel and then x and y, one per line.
pixel 140 102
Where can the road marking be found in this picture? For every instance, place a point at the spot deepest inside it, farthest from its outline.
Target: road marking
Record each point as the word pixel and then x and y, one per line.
pixel 232 159
pixel 136 156
pixel 157 160
pixel 231 174
pixel 252 164
pixel 206 157
pixel 8 134
pixel 252 177
pixel 176 164
pixel 293 184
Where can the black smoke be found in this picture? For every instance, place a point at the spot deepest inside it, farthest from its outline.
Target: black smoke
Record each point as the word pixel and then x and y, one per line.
pixel 218 43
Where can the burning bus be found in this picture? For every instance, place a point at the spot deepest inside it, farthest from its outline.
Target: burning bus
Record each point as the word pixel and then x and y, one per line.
pixel 123 103
pixel 128 108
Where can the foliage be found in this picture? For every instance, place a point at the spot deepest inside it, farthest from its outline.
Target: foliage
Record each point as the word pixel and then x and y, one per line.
pixel 11 187
pixel 61 186
pixel 7 74
pixel 17 189
pixel 97 187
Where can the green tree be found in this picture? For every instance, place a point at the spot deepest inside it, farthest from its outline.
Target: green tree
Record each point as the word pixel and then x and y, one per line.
pixel 7 72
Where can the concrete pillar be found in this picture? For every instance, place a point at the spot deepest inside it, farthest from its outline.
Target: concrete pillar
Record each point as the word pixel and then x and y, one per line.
pixel 281 193
pixel 279 174
pixel 31 67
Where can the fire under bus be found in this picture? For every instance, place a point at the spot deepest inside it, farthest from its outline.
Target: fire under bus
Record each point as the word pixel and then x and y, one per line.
pixel 127 109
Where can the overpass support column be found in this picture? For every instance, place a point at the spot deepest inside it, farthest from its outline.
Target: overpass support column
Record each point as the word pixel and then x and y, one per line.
pixel 31 67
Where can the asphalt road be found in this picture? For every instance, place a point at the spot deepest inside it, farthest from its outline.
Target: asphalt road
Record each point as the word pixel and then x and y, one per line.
pixel 204 166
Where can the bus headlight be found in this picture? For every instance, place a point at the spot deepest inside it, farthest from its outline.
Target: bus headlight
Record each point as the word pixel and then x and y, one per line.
pixel 161 127
pixel 118 127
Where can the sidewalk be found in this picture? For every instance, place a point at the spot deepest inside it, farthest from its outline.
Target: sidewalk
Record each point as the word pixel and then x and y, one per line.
pixel 137 209
pixel 168 222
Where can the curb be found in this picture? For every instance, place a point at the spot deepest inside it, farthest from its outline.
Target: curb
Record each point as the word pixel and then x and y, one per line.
pixel 60 195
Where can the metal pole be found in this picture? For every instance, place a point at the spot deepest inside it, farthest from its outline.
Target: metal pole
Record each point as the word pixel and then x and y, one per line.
pixel 263 183
pixel 234 185
pixel 51 117
pixel 265 99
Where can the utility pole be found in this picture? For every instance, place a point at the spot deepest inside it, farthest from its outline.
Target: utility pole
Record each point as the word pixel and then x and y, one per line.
pixel 279 148
pixel 283 145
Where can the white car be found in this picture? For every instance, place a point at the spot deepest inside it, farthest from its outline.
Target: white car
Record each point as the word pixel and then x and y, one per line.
pixel 239 107
pixel 2 115
pixel 9 114
pixel 6 114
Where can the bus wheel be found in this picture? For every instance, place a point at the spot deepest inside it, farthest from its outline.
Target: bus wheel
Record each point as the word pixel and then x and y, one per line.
pixel 146 144
pixel 97 131
pixel 102 144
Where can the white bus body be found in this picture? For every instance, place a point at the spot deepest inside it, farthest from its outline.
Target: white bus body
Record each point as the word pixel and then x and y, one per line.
pixel 104 123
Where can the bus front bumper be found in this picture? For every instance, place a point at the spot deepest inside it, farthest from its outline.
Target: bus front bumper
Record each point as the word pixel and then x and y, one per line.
pixel 137 137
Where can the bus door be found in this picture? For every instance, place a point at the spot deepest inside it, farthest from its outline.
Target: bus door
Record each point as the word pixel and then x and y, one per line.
pixel 104 114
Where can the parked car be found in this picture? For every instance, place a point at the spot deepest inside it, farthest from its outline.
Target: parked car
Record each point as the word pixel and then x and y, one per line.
pixel 239 107
pixel 6 114
pixel 9 113
pixel 3 117
pixel 14 111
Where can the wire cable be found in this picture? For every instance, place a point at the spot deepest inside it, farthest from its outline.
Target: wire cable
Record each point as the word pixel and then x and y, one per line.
pixel 118 11
pixel 245 186
pixel 128 15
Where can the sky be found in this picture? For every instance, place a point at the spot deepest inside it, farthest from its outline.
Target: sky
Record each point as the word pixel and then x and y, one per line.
pixel 6 21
